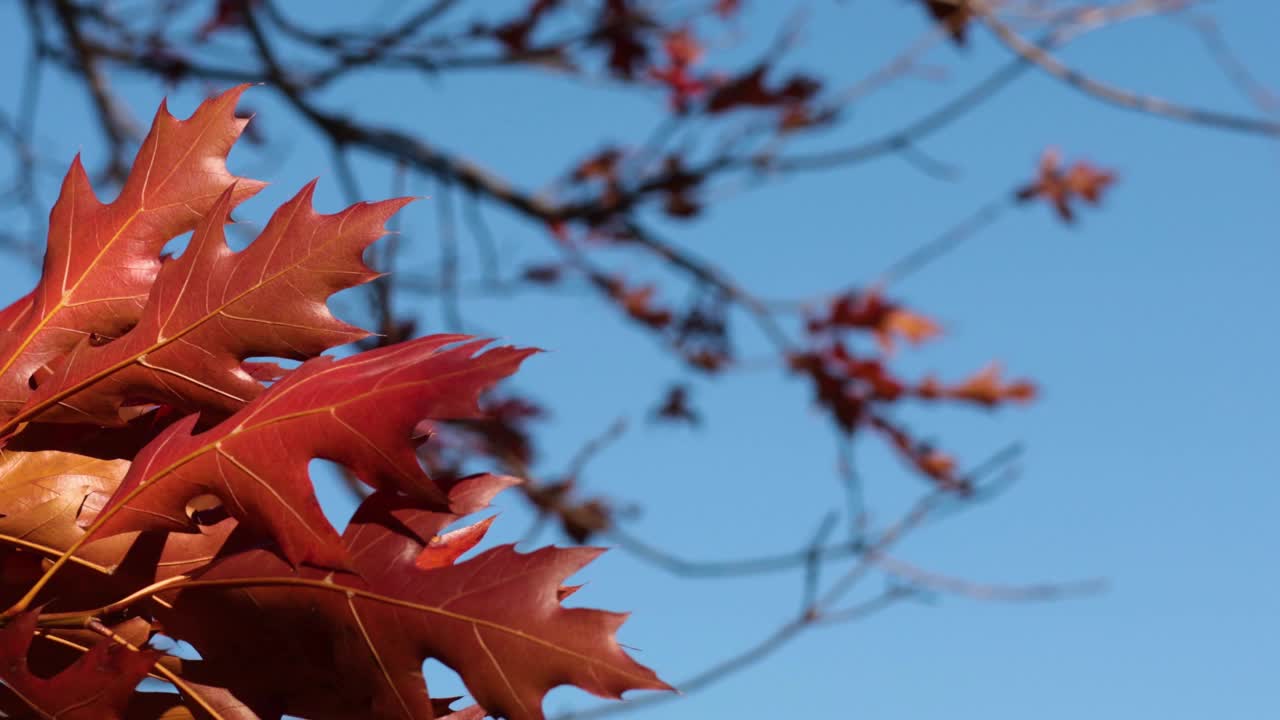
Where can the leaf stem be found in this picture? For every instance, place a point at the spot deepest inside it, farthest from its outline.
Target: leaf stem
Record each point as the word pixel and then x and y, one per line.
pixel 80 617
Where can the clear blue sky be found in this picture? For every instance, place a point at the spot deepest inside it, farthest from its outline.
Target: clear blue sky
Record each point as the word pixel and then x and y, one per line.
pixel 1150 327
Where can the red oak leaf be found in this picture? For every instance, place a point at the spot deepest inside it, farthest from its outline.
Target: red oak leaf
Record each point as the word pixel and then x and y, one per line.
pixel 496 619
pixel 984 388
pixel 360 411
pixel 102 259
pixel 212 309
pixel 1060 188
pixel 173 489
pixel 97 686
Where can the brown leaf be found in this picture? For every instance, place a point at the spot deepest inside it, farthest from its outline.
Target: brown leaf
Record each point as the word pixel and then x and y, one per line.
pixel 42 495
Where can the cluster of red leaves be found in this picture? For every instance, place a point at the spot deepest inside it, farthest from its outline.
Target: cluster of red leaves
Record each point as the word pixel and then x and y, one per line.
pixel 678 186
pixel 580 519
pixel 860 389
pixel 702 334
pixel 699 333
pixel 751 90
pixel 602 173
pixel 982 388
pixel 636 301
pixel 682 51
pixel 792 98
pixel 1061 187
pixel 601 169
pixel 154 480
pixel 638 46
pixel 625 31
pixel 503 433
pixel 622 30
pixel 870 311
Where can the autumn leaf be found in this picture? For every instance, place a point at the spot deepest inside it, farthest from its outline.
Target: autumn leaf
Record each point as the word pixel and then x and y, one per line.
pixel 501 432
pixel 910 326
pixel 931 462
pixel 581 520
pixel 1061 188
pixel 97 686
pixel 870 310
pixel 360 411
pixel 496 619
pixel 102 259
pixel 750 90
pixel 682 51
pixel 151 453
pixel 637 302
pixel 983 388
pixel 47 499
pixel 602 165
pixel 42 495
pixel 212 309
pixel 678 187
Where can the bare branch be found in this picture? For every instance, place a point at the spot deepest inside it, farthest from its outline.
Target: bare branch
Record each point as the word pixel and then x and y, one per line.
pixel 1119 97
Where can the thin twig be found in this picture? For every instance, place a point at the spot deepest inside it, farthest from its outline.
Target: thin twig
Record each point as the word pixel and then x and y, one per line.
pixel 1113 95
pixel 449 268
pixel 931 251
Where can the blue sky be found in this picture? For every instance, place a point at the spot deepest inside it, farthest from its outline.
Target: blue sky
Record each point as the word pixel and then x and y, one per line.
pixel 1149 326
